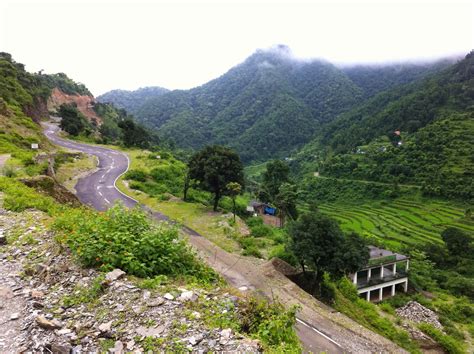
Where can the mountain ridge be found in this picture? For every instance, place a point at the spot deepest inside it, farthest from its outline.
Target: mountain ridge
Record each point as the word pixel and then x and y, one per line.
pixel 269 105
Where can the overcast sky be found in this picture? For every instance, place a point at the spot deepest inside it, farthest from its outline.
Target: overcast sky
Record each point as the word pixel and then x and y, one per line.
pixel 175 44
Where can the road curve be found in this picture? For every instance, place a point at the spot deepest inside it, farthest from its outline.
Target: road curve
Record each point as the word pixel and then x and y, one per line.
pixel 99 191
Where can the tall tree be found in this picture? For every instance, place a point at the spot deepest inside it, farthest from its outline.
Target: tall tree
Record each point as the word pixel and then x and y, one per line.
pixel 233 189
pixel 276 174
pixel 319 244
pixel 285 201
pixel 134 134
pixel 457 242
pixel 214 167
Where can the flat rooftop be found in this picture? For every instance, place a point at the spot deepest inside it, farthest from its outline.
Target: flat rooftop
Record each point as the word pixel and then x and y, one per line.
pixel 380 256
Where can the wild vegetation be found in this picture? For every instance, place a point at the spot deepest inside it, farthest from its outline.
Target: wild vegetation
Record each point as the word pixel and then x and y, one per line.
pixel 421 134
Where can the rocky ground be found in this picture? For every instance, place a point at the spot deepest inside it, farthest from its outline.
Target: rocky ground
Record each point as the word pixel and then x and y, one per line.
pixel 49 303
pixel 416 312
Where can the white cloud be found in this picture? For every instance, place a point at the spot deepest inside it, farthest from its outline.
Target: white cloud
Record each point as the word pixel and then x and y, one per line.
pixel 126 44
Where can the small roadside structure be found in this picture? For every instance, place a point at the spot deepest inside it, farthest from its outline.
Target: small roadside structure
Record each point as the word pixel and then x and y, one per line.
pixel 266 211
pixel 385 273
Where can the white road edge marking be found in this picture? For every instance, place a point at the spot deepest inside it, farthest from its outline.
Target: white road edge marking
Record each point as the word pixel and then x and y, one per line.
pixel 100 193
pixel 106 200
pixel 120 175
pixel 319 332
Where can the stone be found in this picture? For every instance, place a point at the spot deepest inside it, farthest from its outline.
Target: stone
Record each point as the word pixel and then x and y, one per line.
pixel 114 275
pixel 130 344
pixel 155 302
pixel 14 316
pixel 150 332
pixel 61 348
pixel 41 268
pixel 187 296
pixel 36 294
pixel 243 288
pixel 146 295
pixel 3 240
pixel 226 333
pixel 118 348
pixel 414 311
pixel 64 331
pixel 106 327
pixel 168 296
pixel 48 324
pixel 195 339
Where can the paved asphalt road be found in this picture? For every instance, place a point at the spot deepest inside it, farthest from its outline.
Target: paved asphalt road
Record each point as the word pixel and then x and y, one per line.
pixel 98 190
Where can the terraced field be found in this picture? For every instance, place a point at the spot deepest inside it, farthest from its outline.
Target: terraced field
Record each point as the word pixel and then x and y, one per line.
pixel 401 221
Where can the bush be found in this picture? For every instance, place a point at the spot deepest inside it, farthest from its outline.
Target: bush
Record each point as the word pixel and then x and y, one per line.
pixel 280 251
pixel 127 239
pixel 348 289
pixel 136 175
pixel 271 323
pixel 450 344
pixel 19 197
pixel 251 246
pixel 261 231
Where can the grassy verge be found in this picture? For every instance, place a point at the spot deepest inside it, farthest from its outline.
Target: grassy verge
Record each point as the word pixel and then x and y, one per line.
pixel 70 171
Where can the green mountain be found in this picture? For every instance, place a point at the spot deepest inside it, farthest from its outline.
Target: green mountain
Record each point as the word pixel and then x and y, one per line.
pixel 23 101
pixel 131 100
pixel 267 106
pixel 26 98
pixel 373 79
pixel 421 133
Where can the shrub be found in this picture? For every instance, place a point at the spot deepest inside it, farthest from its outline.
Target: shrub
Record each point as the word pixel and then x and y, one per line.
pixel 127 239
pixel 251 246
pixel 450 344
pixel 347 289
pixel 19 197
pixel 261 231
pixel 136 175
pixel 271 323
pixel 280 251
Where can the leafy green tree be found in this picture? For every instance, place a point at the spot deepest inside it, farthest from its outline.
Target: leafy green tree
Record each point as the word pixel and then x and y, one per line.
pixel 319 244
pixel 214 167
pixel 233 189
pixel 457 242
pixel 286 200
pixel 134 134
pixel 72 122
pixel 276 174
pixel 422 271
pixel 353 254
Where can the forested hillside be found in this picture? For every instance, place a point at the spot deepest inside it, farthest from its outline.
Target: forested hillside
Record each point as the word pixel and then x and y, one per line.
pixel 25 98
pixel 421 133
pixel 373 79
pixel 131 100
pixel 265 107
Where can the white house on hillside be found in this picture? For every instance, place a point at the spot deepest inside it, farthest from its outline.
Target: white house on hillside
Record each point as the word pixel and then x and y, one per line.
pixel 385 274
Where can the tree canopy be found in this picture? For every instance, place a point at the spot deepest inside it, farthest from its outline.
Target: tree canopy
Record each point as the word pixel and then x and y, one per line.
pixel 319 244
pixel 214 167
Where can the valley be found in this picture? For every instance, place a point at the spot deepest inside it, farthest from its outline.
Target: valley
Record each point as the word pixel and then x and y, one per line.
pixel 379 156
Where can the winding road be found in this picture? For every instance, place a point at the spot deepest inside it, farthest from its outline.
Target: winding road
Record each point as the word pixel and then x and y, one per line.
pixel 315 326
pixel 98 189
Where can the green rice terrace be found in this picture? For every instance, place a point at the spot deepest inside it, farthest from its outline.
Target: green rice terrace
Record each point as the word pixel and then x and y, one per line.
pixel 399 221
